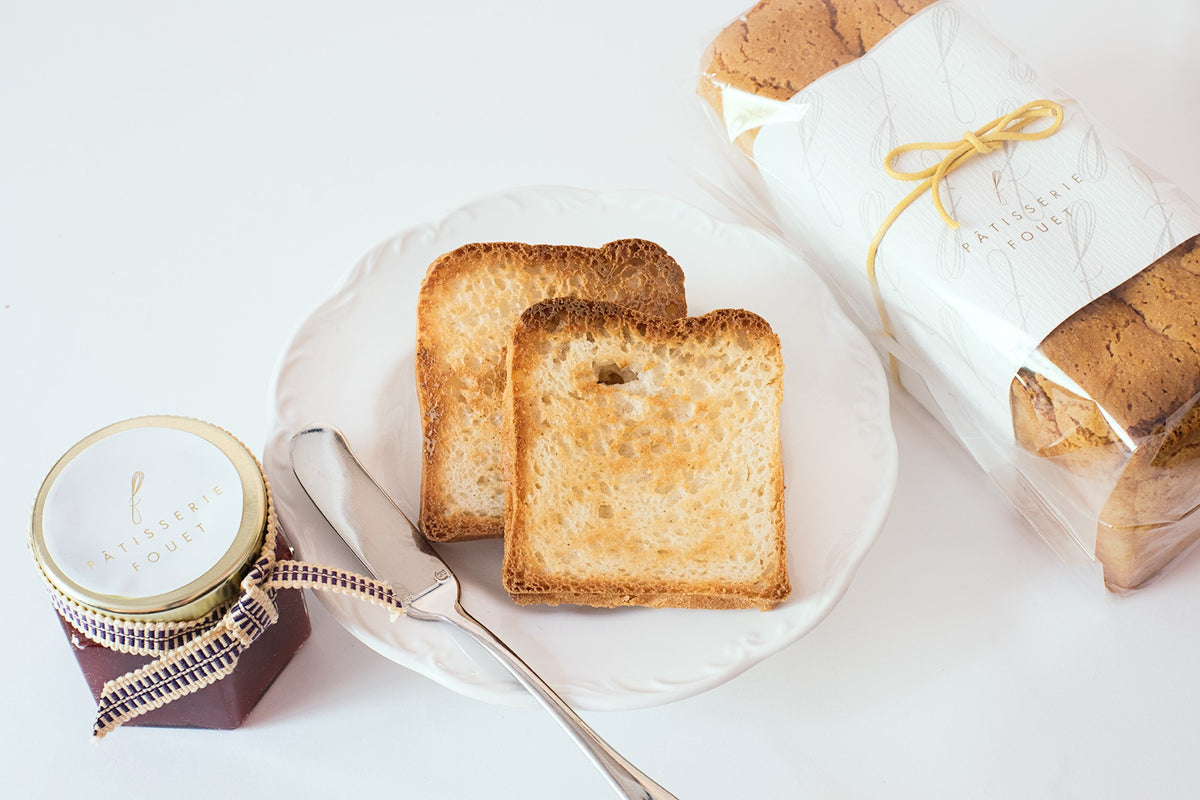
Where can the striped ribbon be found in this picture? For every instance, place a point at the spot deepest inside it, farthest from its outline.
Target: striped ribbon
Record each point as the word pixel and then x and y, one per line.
pixel 195 653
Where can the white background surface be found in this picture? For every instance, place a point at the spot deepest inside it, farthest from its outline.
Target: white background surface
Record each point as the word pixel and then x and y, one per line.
pixel 181 184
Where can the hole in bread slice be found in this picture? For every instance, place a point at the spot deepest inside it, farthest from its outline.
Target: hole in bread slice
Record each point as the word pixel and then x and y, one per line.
pixel 610 374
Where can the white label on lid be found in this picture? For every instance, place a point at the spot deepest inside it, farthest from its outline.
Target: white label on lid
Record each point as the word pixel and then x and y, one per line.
pixel 143 512
pixel 1047 226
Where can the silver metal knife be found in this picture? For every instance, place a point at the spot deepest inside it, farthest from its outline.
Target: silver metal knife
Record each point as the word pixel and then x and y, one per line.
pixel 395 552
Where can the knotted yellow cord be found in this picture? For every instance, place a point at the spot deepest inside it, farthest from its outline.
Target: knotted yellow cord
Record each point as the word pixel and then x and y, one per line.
pixel 983 140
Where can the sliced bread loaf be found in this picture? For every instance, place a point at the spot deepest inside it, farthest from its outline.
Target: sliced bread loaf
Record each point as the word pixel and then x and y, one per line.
pixel 643 459
pixel 467 305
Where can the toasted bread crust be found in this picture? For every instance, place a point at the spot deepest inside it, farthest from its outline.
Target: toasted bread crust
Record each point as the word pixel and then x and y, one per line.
pixel 468 301
pixel 655 551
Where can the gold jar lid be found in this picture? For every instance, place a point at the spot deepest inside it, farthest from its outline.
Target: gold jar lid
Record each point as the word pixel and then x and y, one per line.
pixel 155 518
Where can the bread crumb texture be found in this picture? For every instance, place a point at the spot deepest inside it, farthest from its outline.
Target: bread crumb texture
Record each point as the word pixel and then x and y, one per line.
pixel 467 305
pixel 644 456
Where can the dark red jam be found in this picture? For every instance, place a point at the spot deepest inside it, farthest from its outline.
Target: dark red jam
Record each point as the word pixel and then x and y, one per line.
pixel 225 703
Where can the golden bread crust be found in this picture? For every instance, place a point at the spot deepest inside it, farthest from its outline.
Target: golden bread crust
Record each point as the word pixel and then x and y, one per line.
pixel 779 47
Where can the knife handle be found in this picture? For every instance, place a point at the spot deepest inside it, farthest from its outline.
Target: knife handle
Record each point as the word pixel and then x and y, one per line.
pixel 628 780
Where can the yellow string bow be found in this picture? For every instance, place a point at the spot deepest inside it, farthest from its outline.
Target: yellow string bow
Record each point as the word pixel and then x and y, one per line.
pixel 983 140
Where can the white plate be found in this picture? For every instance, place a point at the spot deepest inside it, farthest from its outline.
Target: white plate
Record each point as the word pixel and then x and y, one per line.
pixel 350 365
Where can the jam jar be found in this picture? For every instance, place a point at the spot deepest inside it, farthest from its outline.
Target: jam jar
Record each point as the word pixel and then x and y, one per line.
pixel 157 520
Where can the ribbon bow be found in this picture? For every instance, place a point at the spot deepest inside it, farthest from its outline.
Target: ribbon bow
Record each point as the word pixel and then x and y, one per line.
pixel 981 141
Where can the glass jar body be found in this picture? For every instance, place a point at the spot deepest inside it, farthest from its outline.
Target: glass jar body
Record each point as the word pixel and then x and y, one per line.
pixel 226 703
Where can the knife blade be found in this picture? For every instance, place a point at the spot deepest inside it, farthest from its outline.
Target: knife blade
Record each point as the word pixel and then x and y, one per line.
pixel 364 516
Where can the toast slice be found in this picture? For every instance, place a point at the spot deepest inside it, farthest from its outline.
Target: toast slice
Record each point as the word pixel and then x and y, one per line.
pixel 642 459
pixel 467 305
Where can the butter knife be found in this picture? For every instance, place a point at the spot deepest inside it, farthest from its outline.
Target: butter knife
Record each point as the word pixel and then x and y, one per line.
pixel 396 553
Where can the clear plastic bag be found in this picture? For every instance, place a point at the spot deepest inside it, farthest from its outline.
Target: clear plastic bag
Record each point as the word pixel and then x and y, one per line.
pixel 1055 331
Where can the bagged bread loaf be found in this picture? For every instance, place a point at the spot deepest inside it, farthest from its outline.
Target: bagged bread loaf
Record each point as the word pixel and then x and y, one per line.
pixel 1054 331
